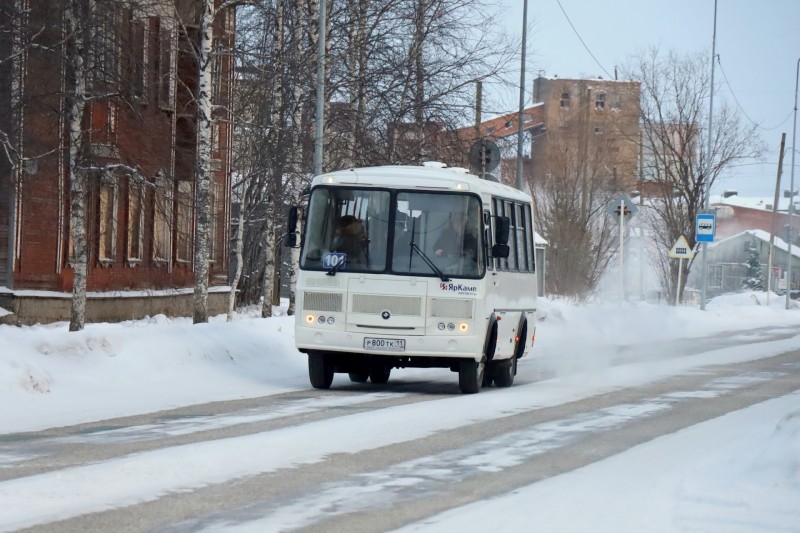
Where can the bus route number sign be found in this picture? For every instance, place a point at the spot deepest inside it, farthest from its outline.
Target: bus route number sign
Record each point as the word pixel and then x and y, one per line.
pixel 334 260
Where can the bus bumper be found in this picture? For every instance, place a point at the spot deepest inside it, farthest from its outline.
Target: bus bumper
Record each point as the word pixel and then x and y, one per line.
pixel 456 346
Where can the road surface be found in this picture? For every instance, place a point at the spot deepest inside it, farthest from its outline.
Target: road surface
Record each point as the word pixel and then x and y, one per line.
pixel 362 457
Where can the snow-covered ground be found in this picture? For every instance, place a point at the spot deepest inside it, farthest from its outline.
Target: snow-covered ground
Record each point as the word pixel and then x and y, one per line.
pixel 715 476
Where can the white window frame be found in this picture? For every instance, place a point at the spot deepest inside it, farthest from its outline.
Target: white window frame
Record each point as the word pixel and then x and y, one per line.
pixel 135 251
pixel 162 219
pixel 108 206
pixel 184 221
pixel 166 70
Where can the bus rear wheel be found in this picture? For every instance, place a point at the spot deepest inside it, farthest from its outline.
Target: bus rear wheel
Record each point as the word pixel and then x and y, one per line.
pixel 359 377
pixel 504 372
pixel 320 370
pixel 470 375
pixel 379 374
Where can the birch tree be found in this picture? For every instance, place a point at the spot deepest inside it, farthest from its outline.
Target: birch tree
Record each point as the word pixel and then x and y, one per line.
pixel 90 53
pixel 75 22
pixel 205 57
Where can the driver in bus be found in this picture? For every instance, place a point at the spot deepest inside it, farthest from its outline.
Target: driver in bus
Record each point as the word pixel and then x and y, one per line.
pixel 350 238
pixel 456 240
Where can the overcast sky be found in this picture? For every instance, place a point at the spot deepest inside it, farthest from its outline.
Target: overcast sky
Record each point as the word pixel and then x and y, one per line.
pixel 758 44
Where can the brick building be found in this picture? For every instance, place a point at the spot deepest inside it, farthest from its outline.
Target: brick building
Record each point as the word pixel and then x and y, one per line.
pixel 141 114
pixel 595 119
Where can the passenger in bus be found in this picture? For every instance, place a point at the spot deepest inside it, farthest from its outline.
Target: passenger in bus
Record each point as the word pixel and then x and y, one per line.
pixel 350 238
pixel 456 240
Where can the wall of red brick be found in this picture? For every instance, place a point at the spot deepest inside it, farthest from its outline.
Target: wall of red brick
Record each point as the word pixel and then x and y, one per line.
pixel 144 137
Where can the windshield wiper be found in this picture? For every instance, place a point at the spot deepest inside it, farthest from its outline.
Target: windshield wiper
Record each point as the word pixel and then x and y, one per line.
pixel 424 257
pixel 428 262
pixel 336 268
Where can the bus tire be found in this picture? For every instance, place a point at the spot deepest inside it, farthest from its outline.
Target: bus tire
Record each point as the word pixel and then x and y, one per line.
pixel 504 372
pixel 488 376
pixel 519 350
pixel 359 377
pixel 320 370
pixel 470 375
pixel 379 374
pixel 489 347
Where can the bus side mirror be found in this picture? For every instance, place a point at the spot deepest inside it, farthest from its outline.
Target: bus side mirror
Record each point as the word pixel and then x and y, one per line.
pixel 502 226
pixel 290 239
pixel 501 251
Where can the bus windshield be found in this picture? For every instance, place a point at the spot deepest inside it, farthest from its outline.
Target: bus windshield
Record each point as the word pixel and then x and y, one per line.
pixel 400 232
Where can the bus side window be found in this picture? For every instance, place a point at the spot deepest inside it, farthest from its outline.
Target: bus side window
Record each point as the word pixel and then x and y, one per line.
pixel 487 239
pixel 510 212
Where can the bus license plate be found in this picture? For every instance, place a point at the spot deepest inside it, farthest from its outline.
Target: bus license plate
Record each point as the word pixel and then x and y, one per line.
pixel 385 345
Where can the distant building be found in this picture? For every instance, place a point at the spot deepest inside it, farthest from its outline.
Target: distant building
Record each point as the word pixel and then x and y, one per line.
pixel 728 258
pixel 142 114
pixel 596 119
pixel 739 213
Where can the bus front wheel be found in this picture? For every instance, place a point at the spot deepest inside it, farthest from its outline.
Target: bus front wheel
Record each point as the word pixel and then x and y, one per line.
pixel 320 370
pixel 470 375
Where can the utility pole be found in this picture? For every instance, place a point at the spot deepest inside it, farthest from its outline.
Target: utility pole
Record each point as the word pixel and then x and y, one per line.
pixel 791 191
pixel 478 101
pixel 707 177
pixel 774 214
pixel 478 135
pixel 520 121
pixel 320 111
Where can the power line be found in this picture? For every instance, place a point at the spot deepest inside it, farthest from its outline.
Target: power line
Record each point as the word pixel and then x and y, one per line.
pixel 739 105
pixel 581 40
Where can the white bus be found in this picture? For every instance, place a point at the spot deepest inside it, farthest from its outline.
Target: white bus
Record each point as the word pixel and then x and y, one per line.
pixel 426 267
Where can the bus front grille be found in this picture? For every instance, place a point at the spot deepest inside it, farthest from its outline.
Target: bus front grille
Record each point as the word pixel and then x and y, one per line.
pixel 397 305
pixel 322 301
pixel 451 308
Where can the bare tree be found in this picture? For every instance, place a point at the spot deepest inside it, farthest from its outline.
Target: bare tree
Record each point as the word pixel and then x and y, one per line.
pixel 390 64
pixel 90 56
pixel 571 196
pixel 678 167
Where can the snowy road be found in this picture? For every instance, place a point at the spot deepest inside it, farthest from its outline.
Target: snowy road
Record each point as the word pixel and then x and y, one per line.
pixel 377 458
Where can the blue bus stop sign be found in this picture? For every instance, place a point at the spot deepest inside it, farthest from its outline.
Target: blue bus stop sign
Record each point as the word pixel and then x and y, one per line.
pixel 705 227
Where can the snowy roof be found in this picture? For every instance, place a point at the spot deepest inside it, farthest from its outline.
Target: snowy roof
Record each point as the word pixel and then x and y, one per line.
pixel 538 240
pixel 753 202
pixel 762 236
pixel 556 77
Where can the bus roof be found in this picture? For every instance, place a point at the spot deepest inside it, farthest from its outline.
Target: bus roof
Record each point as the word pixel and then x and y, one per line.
pixel 419 177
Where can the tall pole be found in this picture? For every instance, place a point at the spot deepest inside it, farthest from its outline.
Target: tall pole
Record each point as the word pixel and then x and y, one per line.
pixel 707 177
pixel 774 213
pixel 520 119
pixel 622 250
pixel 320 111
pixel 791 190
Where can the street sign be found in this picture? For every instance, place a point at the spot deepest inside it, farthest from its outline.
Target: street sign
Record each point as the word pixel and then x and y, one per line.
pixel 681 249
pixel 705 227
pixel 484 155
pixel 622 205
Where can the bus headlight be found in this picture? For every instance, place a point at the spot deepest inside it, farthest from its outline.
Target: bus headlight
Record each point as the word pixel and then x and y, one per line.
pixel 451 326
pixel 331 320
pixel 441 326
pixel 310 319
pixel 321 319
pixel 463 327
